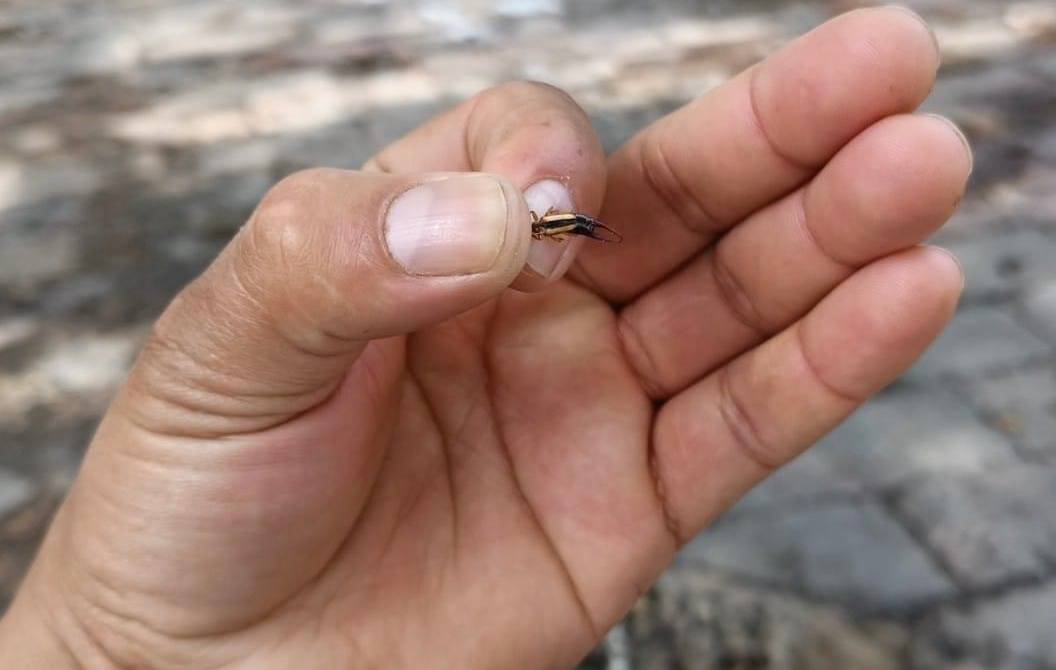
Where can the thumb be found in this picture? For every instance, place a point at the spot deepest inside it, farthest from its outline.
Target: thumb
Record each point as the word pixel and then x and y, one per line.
pixel 330 260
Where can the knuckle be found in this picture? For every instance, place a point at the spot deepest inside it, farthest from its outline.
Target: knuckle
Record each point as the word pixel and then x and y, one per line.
pixel 278 232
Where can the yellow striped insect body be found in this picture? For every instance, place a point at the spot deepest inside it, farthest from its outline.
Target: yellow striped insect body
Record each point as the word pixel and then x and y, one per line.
pixel 558 226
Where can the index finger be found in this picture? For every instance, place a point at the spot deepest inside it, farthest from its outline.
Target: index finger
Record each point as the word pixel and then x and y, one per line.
pixel 533 134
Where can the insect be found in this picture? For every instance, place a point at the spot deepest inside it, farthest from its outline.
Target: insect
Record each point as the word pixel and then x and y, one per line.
pixel 557 226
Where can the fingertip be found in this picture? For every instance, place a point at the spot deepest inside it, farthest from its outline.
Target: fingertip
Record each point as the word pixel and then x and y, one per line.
pixel 918 23
pixel 947 275
pixel 919 289
pixel 900 181
pixel 828 86
pixel 964 158
pixel 877 323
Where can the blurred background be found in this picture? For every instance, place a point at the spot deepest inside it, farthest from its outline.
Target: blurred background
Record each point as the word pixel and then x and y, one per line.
pixel 136 135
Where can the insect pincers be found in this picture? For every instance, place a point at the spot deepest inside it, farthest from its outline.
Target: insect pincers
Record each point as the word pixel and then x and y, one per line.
pixel 558 226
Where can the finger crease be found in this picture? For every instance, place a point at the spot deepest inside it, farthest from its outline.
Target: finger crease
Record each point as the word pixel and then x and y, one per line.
pixel 671 524
pixel 664 181
pixel 741 426
pixel 735 296
pixel 448 458
pixel 573 586
pixel 643 363
pixel 816 374
pixel 803 221
pixel 468 133
pixel 379 164
pixel 757 121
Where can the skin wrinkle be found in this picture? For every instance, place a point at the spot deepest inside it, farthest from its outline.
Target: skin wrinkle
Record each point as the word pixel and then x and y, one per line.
pixel 87 610
pixel 837 393
pixel 672 522
pixel 196 409
pixel 670 519
pixel 308 586
pixel 253 252
pixel 275 326
pixel 759 124
pixel 384 432
pixel 653 391
pixel 673 193
pixel 49 614
pixel 740 425
pixel 803 218
pixel 733 294
pixel 430 408
pixel 186 403
pixel 489 347
pixel 643 363
pixel 56 632
pixel 131 623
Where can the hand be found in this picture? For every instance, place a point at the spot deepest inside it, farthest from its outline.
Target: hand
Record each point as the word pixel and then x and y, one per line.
pixel 346 445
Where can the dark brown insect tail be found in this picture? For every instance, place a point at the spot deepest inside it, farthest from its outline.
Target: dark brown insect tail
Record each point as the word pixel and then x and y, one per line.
pixel 603 233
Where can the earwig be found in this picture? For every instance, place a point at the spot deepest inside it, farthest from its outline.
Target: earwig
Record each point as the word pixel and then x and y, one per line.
pixel 558 226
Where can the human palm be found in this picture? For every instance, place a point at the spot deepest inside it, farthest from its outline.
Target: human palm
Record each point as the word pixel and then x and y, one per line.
pixel 322 460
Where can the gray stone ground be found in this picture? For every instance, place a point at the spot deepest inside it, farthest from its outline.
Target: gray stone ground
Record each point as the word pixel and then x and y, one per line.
pixel 136 135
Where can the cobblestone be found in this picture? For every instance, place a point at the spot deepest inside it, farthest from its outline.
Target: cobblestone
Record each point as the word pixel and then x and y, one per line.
pixel 981 341
pixel 1022 405
pixel 15 491
pixel 988 531
pixel 1003 266
pixel 851 554
pixel 914 434
pixel 695 619
pixel 1012 632
pixel 809 479
pixel 1040 307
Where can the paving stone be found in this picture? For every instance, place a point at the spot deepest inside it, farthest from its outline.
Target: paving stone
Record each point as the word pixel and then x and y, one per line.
pixel 15 491
pixel 989 529
pixel 1022 405
pixel 87 363
pixel 1039 304
pixel 980 340
pixel 910 433
pixel 853 554
pixel 30 182
pixel 695 620
pixel 18 339
pixel 1012 632
pixel 29 257
pixel 997 266
pixel 810 478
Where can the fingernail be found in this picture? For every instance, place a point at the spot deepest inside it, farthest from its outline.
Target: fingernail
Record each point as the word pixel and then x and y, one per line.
pixel 550 258
pixel 961 136
pixel 922 21
pixel 451 226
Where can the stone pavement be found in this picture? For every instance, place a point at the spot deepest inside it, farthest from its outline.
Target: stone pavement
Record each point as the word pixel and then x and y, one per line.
pixel 135 135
